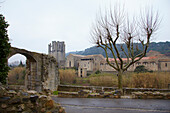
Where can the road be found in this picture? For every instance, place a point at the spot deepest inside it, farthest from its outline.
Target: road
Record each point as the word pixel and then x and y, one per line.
pixel 91 105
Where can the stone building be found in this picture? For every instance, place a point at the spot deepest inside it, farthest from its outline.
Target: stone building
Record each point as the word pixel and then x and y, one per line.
pixel 72 61
pixel 57 49
pixel 91 63
pixel 154 61
pixel 151 63
pixel 84 64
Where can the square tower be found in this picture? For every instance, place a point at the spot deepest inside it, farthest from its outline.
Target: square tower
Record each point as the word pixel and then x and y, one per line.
pixel 57 49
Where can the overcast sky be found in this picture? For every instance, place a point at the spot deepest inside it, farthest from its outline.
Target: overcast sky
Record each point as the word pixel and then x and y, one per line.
pixel 36 23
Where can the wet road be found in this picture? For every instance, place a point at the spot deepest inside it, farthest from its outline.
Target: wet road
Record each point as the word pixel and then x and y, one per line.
pixel 89 105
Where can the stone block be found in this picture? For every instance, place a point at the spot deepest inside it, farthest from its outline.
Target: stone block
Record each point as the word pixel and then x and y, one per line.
pixel 15 101
pixel 33 98
pixel 4 99
pixel 4 106
pixel 49 104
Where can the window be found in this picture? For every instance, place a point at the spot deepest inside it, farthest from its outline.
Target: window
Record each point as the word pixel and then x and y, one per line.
pixel 166 64
pixel 145 63
pixel 138 63
pixel 112 63
pixel 69 63
pixel 81 72
pixel 152 63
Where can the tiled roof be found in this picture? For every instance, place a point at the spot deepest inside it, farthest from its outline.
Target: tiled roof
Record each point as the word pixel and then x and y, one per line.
pixel 77 55
pixel 124 59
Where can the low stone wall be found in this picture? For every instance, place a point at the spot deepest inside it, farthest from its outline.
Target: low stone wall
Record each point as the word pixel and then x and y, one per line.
pixel 20 101
pixel 88 94
pixel 130 90
pixel 71 88
pixel 16 87
pixel 150 95
pixel 98 89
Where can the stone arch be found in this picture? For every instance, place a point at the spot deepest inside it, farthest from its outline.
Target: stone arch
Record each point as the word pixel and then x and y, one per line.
pixel 26 53
pixel 31 67
pixel 42 70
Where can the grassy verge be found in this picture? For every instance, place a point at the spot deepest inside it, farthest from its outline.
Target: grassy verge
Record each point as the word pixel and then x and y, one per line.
pixel 132 80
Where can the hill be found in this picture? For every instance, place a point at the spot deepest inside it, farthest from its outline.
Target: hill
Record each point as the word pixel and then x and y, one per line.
pixel 162 47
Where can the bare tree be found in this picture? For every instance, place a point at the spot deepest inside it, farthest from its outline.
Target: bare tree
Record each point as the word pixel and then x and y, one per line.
pixel 115 26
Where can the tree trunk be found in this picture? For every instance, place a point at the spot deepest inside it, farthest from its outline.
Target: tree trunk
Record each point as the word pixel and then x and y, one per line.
pixel 120 86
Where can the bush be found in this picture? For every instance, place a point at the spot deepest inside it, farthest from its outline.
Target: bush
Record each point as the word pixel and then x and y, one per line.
pixel 17 76
pixel 55 93
pixel 140 69
pixel 67 76
pixel 97 72
pixel 150 80
pixel 104 79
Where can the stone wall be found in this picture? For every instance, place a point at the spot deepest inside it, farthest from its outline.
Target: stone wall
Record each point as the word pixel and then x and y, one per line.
pixel 71 88
pixel 67 91
pixel 21 101
pixel 41 70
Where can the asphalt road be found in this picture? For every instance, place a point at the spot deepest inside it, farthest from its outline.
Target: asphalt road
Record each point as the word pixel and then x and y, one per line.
pixel 91 105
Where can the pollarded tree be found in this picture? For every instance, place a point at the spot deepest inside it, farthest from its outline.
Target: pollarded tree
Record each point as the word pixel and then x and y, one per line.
pixel 116 27
pixel 4 49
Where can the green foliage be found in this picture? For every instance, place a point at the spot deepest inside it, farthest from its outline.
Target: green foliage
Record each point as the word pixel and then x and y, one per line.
pixel 55 93
pixel 140 69
pixel 4 49
pixel 97 72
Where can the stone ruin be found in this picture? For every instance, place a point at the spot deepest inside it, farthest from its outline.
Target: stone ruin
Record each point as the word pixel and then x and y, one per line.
pixel 41 70
pixel 22 101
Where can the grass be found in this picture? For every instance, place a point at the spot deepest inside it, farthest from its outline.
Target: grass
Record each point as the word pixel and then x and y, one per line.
pixel 55 93
pixel 103 80
pixel 67 76
pixel 132 80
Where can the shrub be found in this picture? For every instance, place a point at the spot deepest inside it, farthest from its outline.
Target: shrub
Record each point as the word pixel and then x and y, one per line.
pixel 150 80
pixel 103 79
pixel 97 72
pixel 140 69
pixel 55 93
pixel 17 75
pixel 67 76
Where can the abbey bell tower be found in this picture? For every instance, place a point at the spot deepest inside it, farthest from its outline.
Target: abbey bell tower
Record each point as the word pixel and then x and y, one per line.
pixel 57 49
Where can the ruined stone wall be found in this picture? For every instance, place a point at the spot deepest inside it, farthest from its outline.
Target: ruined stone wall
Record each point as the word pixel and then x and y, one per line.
pixel 49 72
pixel 41 70
pixel 21 101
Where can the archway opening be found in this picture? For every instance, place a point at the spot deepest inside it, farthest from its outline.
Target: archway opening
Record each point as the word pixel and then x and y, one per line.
pixel 17 72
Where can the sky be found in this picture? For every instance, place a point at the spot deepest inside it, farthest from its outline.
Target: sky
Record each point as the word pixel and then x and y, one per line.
pixel 36 23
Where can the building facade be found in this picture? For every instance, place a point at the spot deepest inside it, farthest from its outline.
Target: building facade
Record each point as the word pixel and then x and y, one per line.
pixel 72 61
pixel 92 63
pixel 57 49
pixel 89 64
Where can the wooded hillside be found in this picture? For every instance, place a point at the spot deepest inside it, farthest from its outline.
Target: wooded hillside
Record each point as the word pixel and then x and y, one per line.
pixel 162 47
